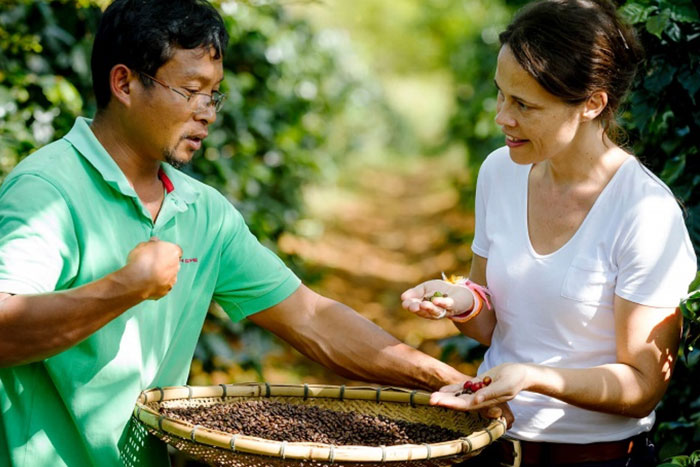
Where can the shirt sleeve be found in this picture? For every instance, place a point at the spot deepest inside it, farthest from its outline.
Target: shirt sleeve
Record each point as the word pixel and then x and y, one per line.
pixel 38 243
pixel 481 244
pixel 656 261
pixel 251 277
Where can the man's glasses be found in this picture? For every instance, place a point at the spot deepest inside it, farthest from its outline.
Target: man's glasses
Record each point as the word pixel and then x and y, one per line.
pixel 200 100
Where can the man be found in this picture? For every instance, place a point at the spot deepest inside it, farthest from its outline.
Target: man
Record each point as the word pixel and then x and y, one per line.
pixel 109 256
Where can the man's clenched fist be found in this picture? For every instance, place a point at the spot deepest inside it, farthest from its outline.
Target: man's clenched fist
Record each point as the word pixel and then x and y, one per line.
pixel 152 267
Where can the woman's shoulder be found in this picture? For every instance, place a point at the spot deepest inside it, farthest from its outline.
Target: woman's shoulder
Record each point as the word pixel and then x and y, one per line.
pixel 641 194
pixel 642 184
pixel 498 162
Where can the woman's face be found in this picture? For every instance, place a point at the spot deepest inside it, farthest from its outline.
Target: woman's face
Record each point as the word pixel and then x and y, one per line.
pixel 538 125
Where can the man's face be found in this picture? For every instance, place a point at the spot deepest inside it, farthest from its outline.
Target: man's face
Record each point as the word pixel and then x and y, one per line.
pixel 168 126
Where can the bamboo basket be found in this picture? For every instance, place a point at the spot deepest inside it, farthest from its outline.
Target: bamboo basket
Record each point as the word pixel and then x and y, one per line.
pixel 227 449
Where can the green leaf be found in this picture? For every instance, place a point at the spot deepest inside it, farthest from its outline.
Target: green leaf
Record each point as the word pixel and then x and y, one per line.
pixel 59 91
pixel 673 31
pixel 673 169
pixel 659 78
pixel 680 10
pixel 635 13
pixel 689 80
pixel 657 23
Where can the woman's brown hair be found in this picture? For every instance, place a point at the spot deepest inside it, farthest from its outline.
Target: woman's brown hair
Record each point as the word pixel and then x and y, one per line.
pixel 574 48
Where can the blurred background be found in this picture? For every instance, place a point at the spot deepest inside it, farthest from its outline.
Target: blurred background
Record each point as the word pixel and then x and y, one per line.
pixel 350 141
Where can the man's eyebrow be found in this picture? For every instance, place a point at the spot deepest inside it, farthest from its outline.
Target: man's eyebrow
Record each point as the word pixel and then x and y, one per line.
pixel 196 76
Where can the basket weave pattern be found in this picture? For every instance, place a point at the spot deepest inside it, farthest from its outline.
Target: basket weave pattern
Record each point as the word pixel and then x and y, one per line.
pixel 226 449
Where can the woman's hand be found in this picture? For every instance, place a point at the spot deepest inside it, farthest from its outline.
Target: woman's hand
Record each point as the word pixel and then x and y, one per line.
pixel 436 299
pixel 507 380
pixel 446 398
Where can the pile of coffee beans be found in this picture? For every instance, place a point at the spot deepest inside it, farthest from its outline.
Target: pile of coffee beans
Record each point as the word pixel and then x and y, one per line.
pixel 296 423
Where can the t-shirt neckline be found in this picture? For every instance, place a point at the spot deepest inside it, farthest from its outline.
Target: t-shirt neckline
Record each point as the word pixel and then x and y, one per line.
pixel 589 214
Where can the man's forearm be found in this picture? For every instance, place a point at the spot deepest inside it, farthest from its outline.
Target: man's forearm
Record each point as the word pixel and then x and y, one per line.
pixel 34 327
pixel 339 338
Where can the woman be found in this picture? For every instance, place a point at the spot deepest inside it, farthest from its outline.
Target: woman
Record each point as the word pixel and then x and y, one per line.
pixel 584 251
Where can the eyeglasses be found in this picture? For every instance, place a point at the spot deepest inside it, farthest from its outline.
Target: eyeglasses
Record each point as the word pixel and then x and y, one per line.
pixel 199 99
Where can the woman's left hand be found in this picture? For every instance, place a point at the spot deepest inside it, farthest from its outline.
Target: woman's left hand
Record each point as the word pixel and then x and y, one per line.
pixel 507 380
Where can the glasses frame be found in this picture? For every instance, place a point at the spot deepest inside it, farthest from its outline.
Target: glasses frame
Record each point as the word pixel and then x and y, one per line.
pixel 216 98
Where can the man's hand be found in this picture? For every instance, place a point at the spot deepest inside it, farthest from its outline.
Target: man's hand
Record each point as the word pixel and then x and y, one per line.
pixel 152 266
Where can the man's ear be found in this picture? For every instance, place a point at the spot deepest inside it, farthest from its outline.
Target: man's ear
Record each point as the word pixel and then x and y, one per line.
pixel 120 82
pixel 594 105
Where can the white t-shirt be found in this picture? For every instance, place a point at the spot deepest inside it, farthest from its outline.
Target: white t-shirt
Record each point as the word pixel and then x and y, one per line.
pixel 557 309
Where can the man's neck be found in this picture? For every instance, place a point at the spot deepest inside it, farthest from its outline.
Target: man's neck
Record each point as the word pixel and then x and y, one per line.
pixel 141 171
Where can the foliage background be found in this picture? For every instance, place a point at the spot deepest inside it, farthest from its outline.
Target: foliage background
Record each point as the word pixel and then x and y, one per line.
pixel 302 98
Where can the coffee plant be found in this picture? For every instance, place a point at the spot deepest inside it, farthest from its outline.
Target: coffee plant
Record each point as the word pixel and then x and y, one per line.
pixel 289 90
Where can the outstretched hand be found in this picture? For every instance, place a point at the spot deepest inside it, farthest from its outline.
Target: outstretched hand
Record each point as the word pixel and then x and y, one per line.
pixel 507 380
pixel 436 299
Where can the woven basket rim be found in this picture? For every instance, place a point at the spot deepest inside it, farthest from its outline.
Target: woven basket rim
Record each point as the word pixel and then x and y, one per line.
pixel 305 450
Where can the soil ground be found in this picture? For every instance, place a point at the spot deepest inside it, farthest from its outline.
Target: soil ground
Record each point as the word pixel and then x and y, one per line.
pixel 385 229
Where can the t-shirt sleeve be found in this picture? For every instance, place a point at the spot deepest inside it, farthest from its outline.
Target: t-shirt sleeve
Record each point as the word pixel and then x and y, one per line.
pixel 38 244
pixel 251 277
pixel 656 261
pixel 481 244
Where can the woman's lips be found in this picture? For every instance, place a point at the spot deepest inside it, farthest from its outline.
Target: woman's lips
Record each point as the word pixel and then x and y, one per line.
pixel 513 142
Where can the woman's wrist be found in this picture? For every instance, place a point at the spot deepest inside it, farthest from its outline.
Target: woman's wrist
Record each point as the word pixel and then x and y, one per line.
pixel 466 299
pixel 478 300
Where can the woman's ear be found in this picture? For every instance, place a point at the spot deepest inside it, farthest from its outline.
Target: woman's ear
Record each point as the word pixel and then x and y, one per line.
pixel 594 105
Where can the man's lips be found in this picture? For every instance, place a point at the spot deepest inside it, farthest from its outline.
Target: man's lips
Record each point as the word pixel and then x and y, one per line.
pixel 195 140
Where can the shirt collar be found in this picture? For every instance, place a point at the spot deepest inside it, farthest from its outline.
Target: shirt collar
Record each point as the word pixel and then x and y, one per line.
pixel 87 144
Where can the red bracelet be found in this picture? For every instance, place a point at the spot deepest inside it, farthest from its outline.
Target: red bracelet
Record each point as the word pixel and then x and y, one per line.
pixel 479 293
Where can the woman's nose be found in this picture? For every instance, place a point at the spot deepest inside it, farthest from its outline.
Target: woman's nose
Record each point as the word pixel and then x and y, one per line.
pixel 503 116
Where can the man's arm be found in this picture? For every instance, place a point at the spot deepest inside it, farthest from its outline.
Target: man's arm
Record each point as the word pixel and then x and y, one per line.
pixel 339 338
pixel 35 327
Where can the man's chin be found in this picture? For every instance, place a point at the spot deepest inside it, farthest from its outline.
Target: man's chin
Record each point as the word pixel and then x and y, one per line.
pixel 177 161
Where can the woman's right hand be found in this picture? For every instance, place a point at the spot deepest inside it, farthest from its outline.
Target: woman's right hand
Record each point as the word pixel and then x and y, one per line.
pixel 436 299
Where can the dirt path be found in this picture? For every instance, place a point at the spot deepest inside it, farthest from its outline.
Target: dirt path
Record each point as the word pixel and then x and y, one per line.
pixel 384 231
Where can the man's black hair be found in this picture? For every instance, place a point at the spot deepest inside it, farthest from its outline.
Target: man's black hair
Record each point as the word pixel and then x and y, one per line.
pixel 142 34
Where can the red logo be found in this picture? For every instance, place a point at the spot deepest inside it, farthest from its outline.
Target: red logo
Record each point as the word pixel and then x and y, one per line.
pixel 188 260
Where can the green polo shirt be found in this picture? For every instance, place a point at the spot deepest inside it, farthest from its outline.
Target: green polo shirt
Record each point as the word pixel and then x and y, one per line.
pixel 68 216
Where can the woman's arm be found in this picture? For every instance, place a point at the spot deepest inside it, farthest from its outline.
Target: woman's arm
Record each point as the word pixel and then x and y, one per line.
pixel 647 346
pixel 481 326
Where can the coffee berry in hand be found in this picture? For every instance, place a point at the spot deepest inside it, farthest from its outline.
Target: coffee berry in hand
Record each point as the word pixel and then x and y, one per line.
pixel 471 386
pixel 429 298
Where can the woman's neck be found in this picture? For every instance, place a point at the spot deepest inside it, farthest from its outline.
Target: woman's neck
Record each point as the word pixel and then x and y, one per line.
pixel 591 157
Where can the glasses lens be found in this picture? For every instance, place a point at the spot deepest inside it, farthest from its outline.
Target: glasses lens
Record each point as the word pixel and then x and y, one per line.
pixel 217 98
pixel 203 101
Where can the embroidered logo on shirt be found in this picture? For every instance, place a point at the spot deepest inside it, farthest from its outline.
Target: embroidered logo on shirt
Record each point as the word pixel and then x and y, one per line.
pixel 188 260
